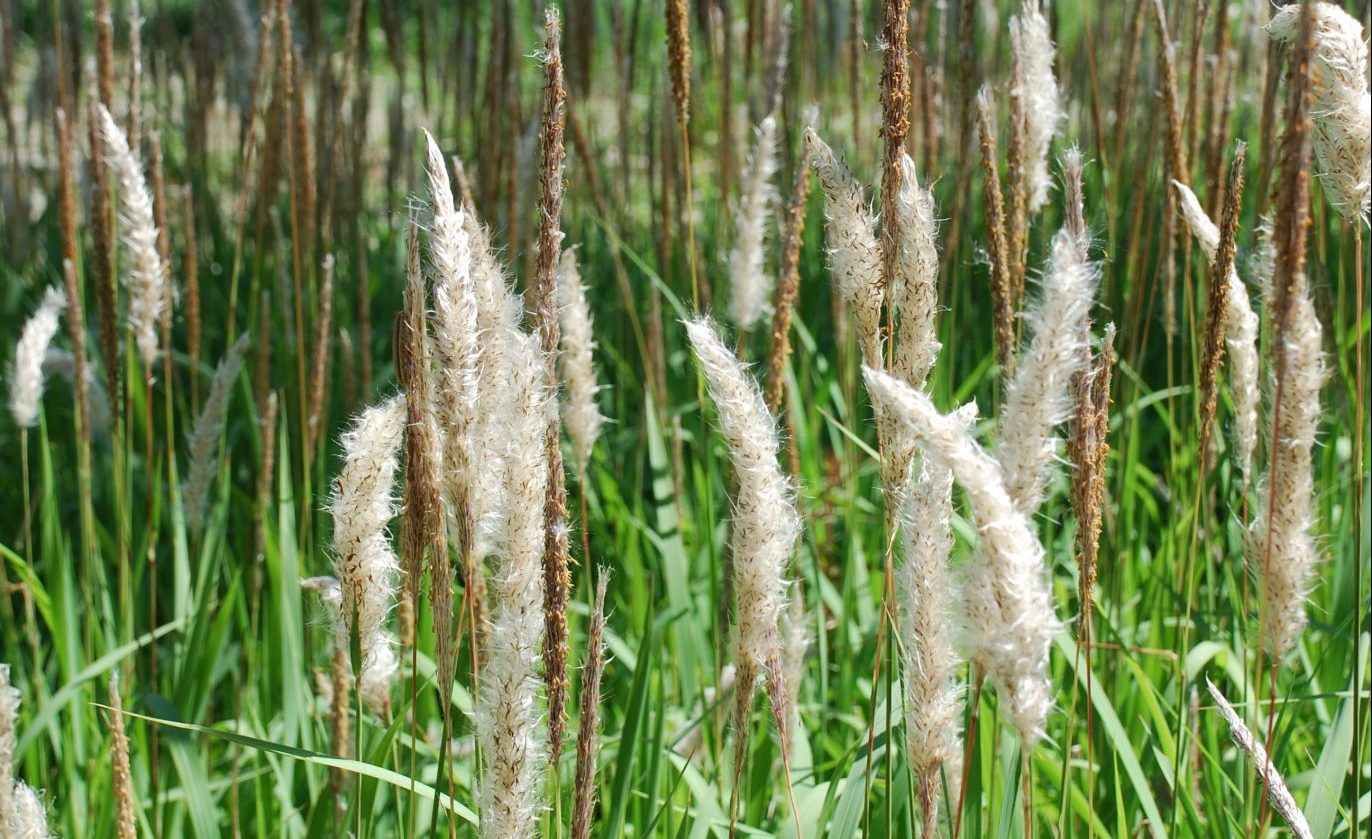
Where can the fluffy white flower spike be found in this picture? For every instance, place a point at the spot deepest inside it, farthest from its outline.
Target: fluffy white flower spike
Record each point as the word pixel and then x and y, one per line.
pixel 1031 46
pixel 750 283
pixel 580 414
pixel 364 561
pixel 26 376
pixel 1010 615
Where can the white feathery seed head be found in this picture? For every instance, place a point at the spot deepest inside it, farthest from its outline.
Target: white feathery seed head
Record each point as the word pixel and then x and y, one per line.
pixel 765 522
pixel 1262 262
pixel 456 340
pixel 26 374
pixel 580 413
pixel 27 818
pixel 365 564
pixel 926 592
pixel 508 718
pixel 1282 551
pixel 1240 334
pixel 1010 617
pixel 1039 397
pixel 914 288
pixel 203 439
pixel 1032 82
pixel 1277 793
pixel 9 720
pixel 147 276
pixel 750 284
pixel 1342 110
pixel 854 261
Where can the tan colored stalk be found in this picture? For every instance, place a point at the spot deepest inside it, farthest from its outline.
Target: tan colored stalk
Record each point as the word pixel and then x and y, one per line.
pixel 1003 312
pixel 1222 267
pixel 125 822
pixel 895 124
pixel 557 575
pixel 788 281
pixel 588 726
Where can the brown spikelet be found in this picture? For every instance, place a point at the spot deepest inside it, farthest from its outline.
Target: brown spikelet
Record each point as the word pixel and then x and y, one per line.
pixel 364 318
pixel 265 472
pixel 1219 292
pixel 262 367
pixel 104 51
pixel 1087 446
pixel 134 130
pixel 788 281
pixel 102 236
pixel 1290 220
pixel 895 124
pixel 340 728
pixel 76 318
pixel 422 526
pixel 1176 167
pixel 679 57
pixel 557 576
pixel 126 824
pixel 996 239
pixel 588 726
pixel 319 364
pixel 1017 199
pixel 304 160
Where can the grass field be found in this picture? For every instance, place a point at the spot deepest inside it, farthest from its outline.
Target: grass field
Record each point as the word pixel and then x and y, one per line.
pixel 352 347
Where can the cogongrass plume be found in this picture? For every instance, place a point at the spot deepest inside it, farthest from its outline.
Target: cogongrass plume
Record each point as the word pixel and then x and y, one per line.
pixel 1277 793
pixel 1039 397
pixel 749 282
pixel 456 410
pixel 26 372
pixel 854 261
pixel 126 821
pixel 1010 617
pixel 996 238
pixel 1033 84
pixel 1088 444
pixel 508 713
pixel 1342 136
pixel 9 721
pixel 28 818
pixel 765 522
pixel 1074 202
pixel 147 275
pixel 925 594
pixel 581 414
pixel 788 274
pixel 365 564
pixel 1281 548
pixel 914 286
pixel 588 726
pixel 557 578
pixel 203 440
pixel 1240 336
